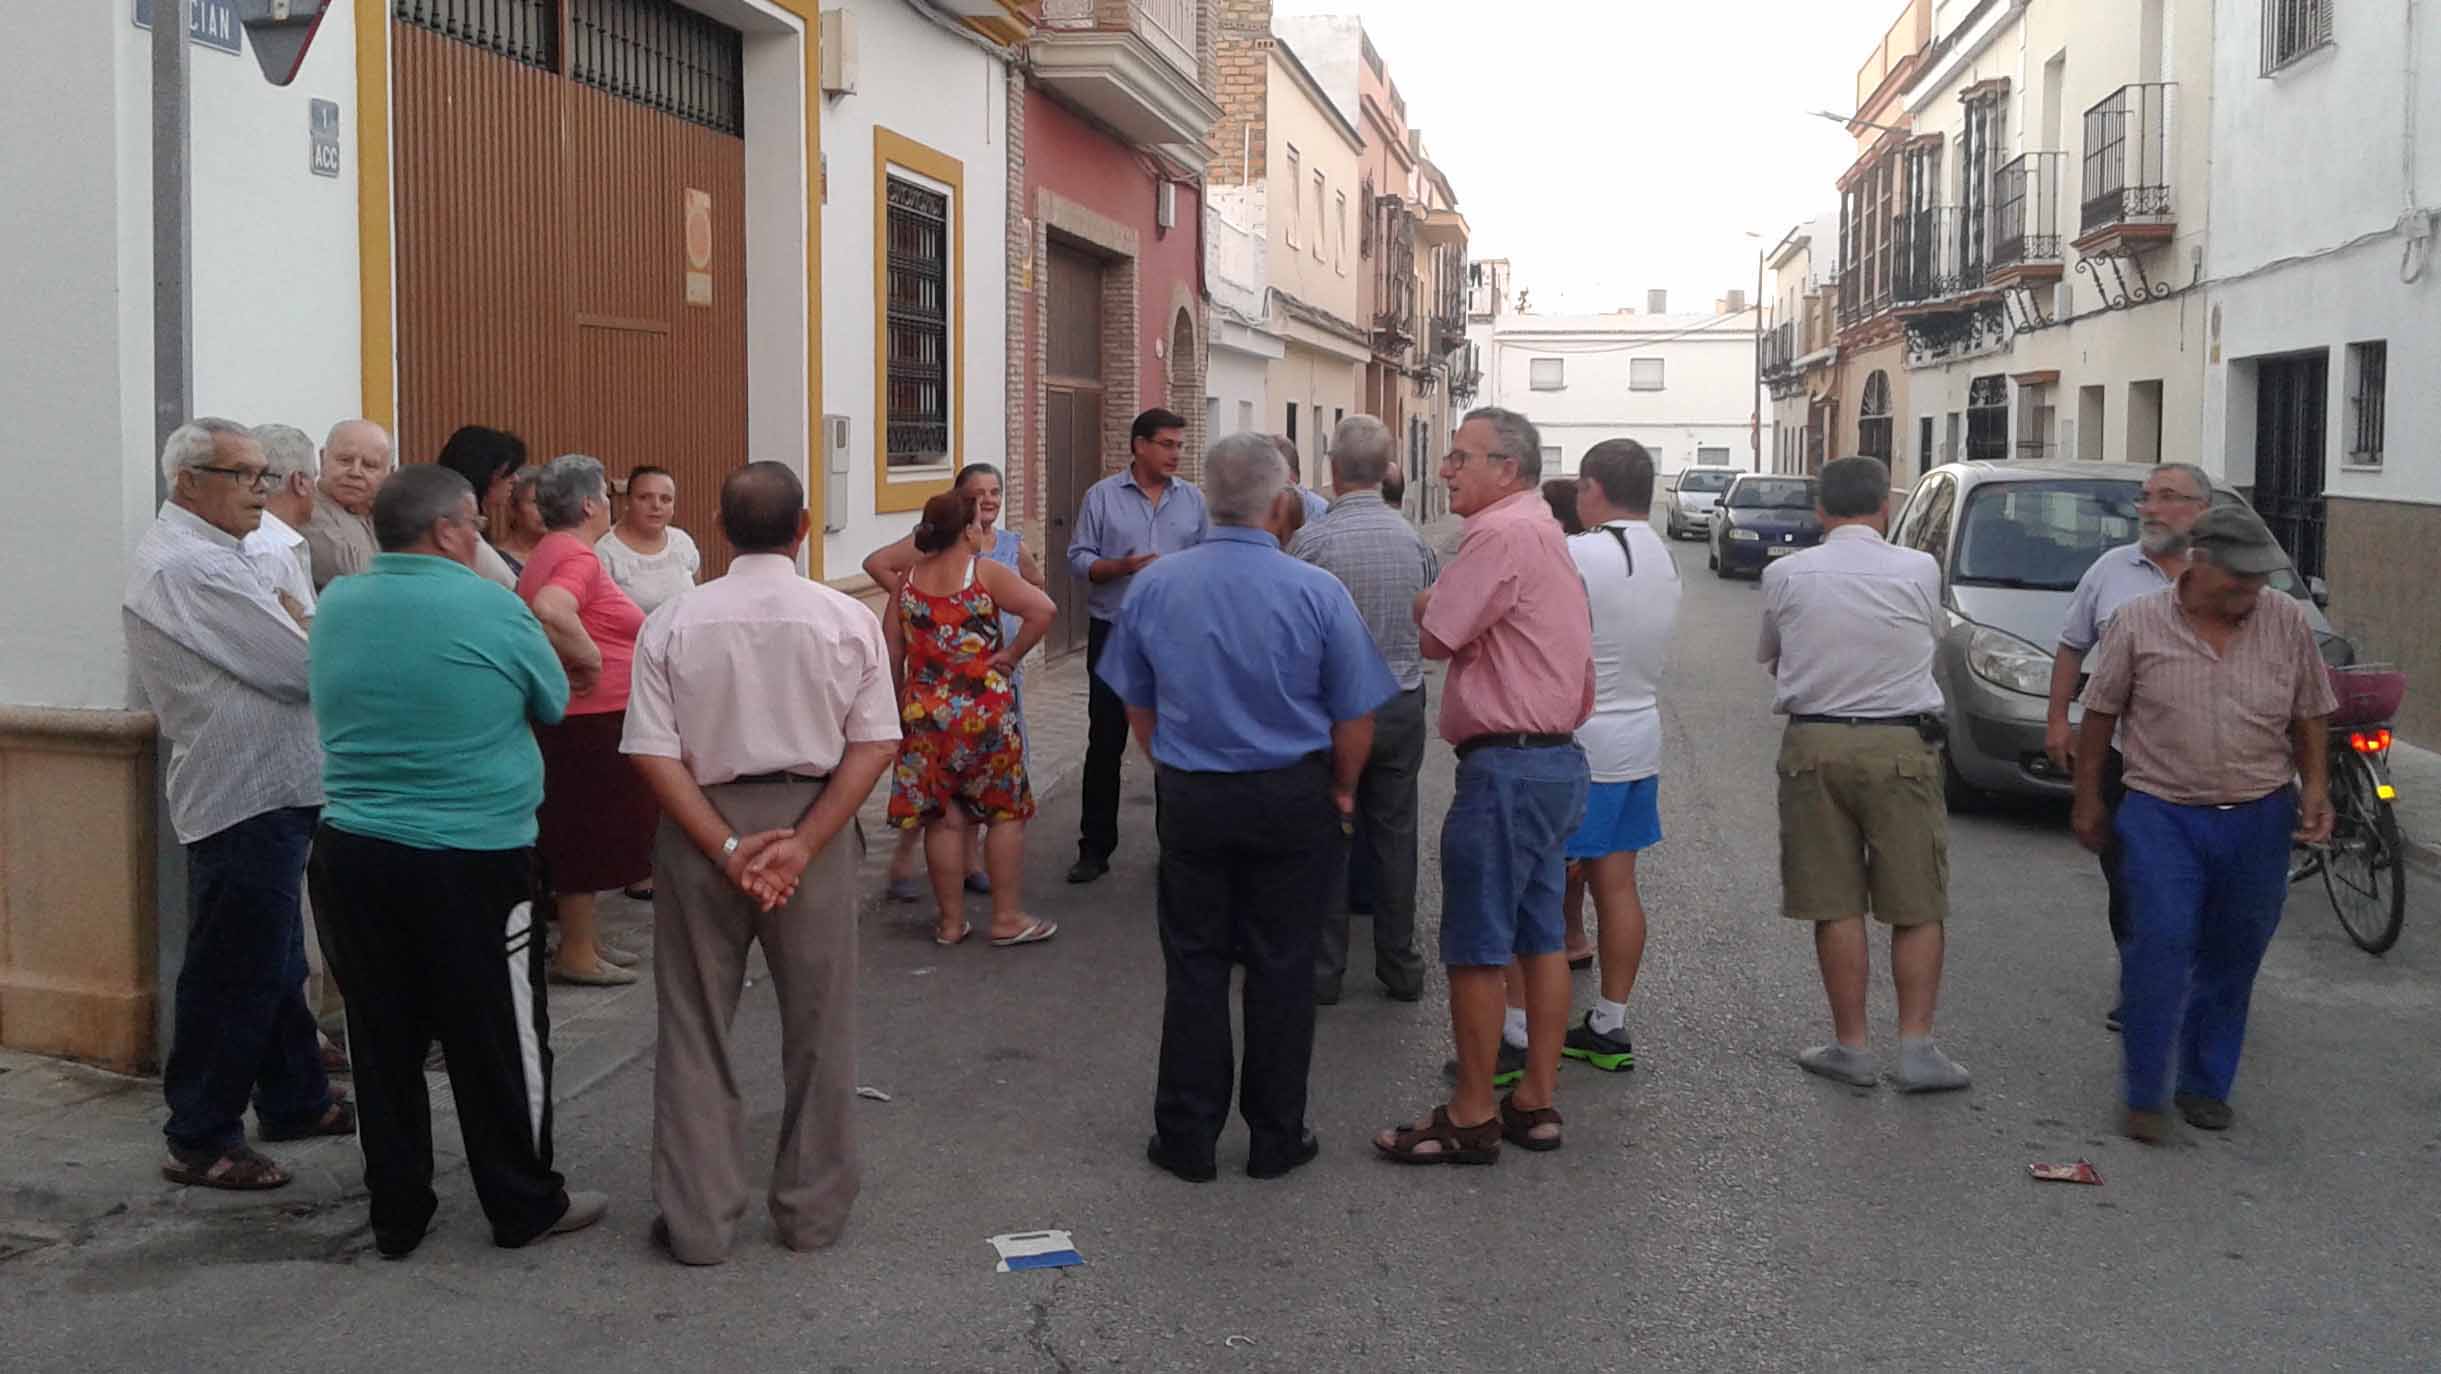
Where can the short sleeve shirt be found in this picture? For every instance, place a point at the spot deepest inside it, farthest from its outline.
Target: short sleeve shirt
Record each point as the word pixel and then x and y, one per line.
pixel 1511 610
pixel 610 616
pixel 1850 627
pixel 2116 578
pixel 1633 584
pixel 651 580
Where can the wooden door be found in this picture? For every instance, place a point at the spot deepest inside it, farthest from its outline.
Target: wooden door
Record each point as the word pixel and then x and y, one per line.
pixel 1072 405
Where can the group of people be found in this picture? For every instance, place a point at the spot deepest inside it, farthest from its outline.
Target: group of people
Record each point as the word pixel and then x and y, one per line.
pixel 456 726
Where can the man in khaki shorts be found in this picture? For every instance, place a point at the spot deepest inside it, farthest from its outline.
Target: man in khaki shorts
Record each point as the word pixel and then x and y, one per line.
pixel 1849 630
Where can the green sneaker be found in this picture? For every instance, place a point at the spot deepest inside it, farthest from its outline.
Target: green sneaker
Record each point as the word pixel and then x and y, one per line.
pixel 1609 1053
pixel 1506 1070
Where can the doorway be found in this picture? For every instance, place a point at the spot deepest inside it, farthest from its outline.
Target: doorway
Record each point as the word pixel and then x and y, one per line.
pixel 2291 397
pixel 1072 432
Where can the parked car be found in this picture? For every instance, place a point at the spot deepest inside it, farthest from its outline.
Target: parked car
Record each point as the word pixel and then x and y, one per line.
pixel 2013 539
pixel 1761 518
pixel 1692 495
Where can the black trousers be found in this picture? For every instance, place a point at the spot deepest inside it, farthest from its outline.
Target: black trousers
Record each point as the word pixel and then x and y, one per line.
pixel 242 1024
pixel 1105 749
pixel 1247 860
pixel 2114 791
pixel 1384 853
pixel 442 944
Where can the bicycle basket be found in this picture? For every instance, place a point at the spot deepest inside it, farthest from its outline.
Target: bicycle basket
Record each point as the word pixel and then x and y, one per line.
pixel 2369 693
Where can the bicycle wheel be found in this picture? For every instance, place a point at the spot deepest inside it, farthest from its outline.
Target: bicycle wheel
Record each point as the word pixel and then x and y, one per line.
pixel 2365 871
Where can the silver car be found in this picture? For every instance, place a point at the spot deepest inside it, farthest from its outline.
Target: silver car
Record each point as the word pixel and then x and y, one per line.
pixel 2013 538
pixel 1693 494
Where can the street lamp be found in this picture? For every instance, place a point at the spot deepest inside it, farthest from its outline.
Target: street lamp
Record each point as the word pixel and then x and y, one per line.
pixel 1851 121
pixel 1754 432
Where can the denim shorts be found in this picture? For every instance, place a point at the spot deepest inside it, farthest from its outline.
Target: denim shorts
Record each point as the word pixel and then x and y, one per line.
pixel 1502 870
pixel 1620 818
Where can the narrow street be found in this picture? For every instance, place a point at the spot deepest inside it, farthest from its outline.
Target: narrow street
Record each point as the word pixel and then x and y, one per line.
pixel 1716 1209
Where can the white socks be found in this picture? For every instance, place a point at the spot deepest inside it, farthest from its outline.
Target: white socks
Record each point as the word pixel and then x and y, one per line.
pixel 1513 1029
pixel 1608 1017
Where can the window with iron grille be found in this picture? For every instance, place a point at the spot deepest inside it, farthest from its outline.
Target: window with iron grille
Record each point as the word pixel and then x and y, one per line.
pixel 2293 28
pixel 661 55
pixel 917 378
pixel 2368 398
pixel 1873 420
pixel 1987 418
pixel 1976 163
pixel 521 30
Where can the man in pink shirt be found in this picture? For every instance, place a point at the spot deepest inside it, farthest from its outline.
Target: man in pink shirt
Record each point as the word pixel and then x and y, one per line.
pixel 762 715
pixel 1511 617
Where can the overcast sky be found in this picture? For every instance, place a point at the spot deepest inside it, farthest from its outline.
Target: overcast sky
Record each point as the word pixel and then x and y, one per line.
pixel 1608 146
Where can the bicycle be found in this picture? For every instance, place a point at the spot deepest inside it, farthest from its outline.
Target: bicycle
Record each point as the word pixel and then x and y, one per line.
pixel 2363 866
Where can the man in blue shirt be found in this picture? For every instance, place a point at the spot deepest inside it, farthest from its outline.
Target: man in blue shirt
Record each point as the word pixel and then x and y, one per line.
pixel 1250 679
pixel 427 680
pixel 1129 519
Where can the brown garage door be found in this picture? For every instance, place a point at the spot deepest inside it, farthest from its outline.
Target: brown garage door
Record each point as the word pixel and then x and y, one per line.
pixel 571 242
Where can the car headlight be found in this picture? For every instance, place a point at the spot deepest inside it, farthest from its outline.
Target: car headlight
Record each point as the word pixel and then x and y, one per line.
pixel 2008 662
pixel 1744 534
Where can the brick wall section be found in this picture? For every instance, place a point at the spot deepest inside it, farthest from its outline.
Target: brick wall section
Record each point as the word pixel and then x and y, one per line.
pixel 1241 49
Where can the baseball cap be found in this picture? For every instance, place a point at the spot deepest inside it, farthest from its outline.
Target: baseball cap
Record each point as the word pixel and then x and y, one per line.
pixel 2235 538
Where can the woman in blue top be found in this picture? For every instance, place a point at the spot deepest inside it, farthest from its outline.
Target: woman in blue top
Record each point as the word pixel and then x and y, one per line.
pixel 888 566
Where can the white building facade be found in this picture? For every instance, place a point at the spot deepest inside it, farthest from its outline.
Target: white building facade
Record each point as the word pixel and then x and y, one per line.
pixel 2323 331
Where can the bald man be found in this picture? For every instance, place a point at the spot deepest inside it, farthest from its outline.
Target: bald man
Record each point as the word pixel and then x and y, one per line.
pixel 339 529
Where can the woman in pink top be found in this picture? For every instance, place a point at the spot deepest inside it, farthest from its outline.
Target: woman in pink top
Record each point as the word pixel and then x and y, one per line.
pixel 597 814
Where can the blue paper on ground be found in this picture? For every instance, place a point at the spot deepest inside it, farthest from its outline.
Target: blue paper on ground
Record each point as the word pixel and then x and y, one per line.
pixel 1035 1250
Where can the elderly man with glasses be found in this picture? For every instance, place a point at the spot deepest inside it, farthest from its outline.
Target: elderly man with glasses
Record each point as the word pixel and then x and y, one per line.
pixel 223 665
pixel 1510 616
pixel 2176 495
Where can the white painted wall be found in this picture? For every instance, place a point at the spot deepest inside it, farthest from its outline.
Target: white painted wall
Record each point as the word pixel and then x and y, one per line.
pixel 1708 394
pixel 275 309
pixel 1318 382
pixel 1238 386
pixel 925 84
pixel 1318 268
pixel 2312 258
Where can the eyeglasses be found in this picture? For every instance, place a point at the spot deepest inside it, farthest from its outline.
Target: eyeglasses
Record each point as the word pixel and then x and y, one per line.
pixel 1457 458
pixel 261 479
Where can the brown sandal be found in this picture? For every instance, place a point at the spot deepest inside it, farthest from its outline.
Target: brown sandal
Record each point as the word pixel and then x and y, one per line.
pixel 1518 1124
pixel 1455 1144
pixel 236 1169
pixel 339 1118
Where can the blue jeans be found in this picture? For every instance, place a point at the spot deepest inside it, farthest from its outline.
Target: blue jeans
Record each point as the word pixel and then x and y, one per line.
pixel 242 1025
pixel 2204 891
pixel 1502 874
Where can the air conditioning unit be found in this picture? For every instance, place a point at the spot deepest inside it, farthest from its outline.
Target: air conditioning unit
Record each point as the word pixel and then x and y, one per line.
pixel 1165 205
pixel 834 473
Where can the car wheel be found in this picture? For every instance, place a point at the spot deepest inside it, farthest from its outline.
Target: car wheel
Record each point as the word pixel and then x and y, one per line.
pixel 1962 796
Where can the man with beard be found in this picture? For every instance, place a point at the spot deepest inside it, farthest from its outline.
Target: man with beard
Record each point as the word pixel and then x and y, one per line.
pixel 2175 496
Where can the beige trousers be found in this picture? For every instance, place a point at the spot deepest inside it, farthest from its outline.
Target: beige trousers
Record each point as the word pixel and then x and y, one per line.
pixel 702 927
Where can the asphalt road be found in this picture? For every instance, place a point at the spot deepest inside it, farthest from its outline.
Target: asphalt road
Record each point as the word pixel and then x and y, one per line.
pixel 1714 1210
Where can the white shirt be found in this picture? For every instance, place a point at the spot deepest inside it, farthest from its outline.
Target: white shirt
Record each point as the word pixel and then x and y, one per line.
pixel 651 579
pixel 1635 611
pixel 1850 626
pixel 225 670
pixel 279 553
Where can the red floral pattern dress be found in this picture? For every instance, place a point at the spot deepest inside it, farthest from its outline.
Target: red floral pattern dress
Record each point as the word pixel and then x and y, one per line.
pixel 962 743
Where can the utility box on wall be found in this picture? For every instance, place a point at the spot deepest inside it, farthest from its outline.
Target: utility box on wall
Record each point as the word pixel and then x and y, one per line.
pixel 834 473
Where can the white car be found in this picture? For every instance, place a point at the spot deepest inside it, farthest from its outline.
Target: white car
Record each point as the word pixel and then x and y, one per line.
pixel 1694 492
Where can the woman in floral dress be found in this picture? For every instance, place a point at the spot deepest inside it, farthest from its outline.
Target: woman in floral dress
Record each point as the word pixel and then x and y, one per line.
pixel 962 762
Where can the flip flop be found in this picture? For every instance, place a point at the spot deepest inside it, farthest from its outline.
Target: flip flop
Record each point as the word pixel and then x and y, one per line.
pixel 958 939
pixel 1035 933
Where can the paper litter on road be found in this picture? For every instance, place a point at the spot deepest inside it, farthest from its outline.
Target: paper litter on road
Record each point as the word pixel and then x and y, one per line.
pixel 871 1094
pixel 2079 1172
pixel 1035 1250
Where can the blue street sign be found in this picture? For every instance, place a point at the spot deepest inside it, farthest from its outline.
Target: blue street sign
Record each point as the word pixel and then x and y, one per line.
pixel 213 23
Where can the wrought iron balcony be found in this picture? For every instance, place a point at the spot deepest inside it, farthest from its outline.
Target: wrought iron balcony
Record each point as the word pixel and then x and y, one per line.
pixel 2128 142
pixel 1779 351
pixel 1942 253
pixel 2026 217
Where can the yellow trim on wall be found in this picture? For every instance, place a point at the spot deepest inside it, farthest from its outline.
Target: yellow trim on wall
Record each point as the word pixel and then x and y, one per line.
pixel 375 240
pixel 896 150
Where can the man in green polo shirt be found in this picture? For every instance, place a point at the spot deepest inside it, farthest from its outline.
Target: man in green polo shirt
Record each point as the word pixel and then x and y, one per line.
pixel 426 680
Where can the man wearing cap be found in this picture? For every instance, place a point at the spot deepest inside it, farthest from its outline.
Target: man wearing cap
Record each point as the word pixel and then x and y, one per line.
pixel 1849 631
pixel 2175 495
pixel 2219 697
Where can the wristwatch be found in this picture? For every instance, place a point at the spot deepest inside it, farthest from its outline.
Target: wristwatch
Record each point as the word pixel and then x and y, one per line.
pixel 728 848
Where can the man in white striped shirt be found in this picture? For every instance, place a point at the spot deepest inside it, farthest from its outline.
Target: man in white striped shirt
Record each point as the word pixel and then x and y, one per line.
pixel 223 666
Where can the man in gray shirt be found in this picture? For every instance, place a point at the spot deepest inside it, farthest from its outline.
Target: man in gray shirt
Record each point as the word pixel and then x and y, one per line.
pixel 1369 546
pixel 2175 496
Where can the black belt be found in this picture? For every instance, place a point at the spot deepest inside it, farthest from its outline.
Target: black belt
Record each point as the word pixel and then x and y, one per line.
pixel 1514 741
pixel 1914 722
pixel 782 776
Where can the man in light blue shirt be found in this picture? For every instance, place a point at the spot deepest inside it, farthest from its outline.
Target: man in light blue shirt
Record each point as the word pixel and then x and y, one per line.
pixel 1129 519
pixel 1250 679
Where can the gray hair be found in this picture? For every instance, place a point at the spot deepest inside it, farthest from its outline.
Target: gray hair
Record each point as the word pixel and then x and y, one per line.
pixel 190 445
pixel 412 501
pixel 566 484
pixel 389 445
pixel 2194 474
pixel 1853 487
pixel 288 450
pixel 1515 437
pixel 1361 450
pixel 1242 474
pixel 528 476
